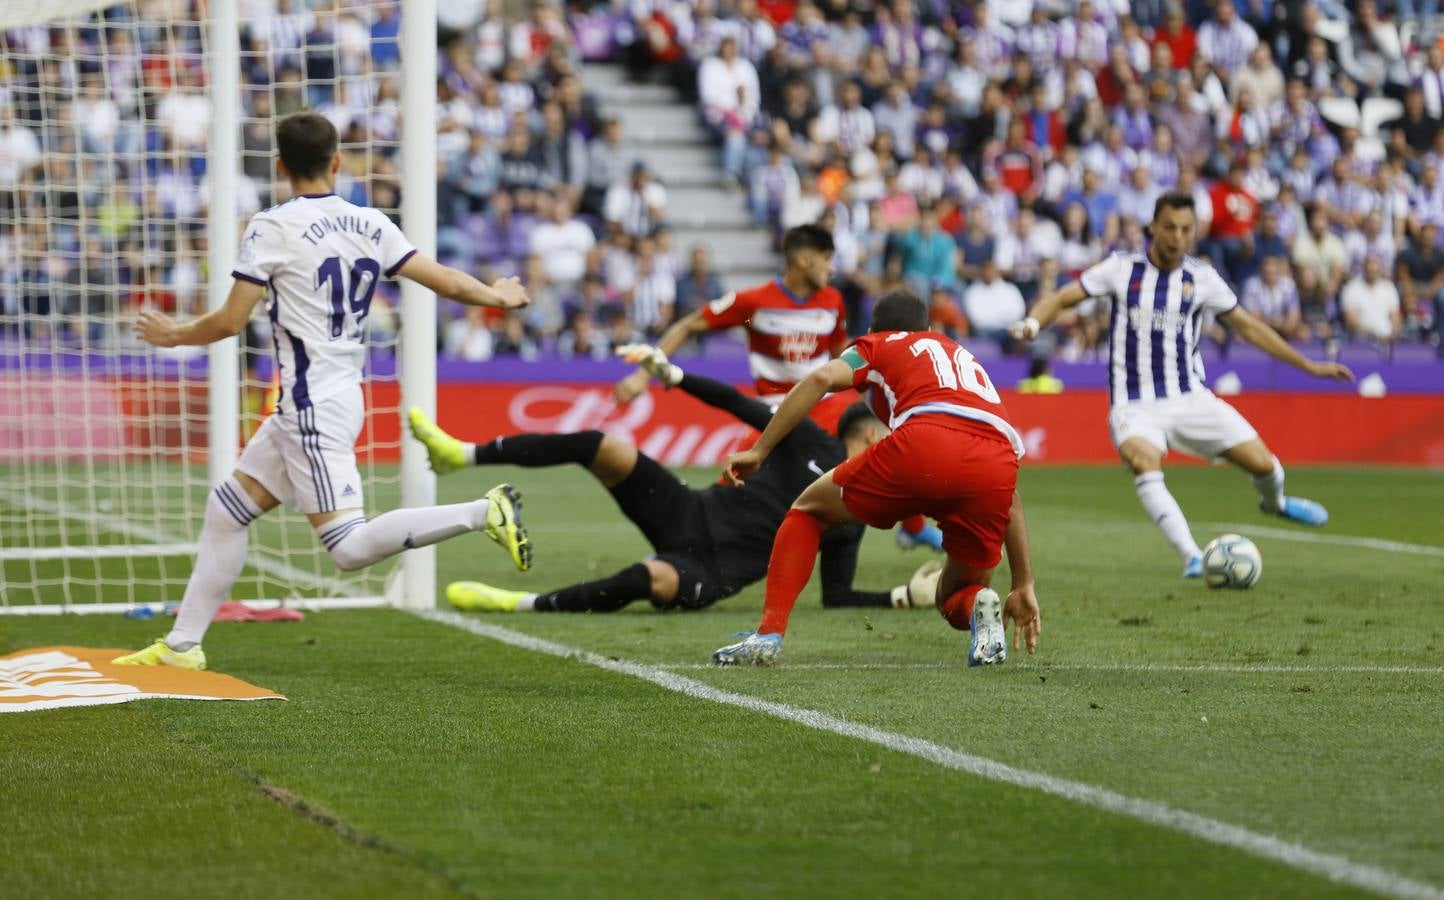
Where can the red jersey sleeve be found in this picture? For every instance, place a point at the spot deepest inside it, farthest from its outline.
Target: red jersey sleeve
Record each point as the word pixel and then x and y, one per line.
pixel 730 311
pixel 860 356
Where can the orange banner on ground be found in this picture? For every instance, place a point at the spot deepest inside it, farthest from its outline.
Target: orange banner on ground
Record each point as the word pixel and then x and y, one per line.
pixel 56 677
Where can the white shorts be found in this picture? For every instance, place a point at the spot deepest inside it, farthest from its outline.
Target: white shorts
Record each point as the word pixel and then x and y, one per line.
pixel 1197 423
pixel 306 458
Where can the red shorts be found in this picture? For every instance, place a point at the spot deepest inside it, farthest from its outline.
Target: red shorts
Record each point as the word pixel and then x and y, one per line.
pixel 959 472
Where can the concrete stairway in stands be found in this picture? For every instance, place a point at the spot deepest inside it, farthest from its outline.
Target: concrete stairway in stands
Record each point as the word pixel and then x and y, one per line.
pixel 665 133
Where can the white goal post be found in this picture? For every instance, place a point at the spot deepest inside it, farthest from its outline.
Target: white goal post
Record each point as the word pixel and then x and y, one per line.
pixel 135 139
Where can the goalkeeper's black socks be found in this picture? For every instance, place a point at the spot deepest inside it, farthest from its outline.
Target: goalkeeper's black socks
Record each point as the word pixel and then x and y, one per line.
pixel 538 450
pixel 603 595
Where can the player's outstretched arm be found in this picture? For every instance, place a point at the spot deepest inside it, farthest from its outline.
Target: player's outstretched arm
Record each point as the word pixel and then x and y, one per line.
pixel 1257 332
pixel 677 334
pixel 1022 603
pixel 160 330
pixel 799 401
pixel 1046 310
pixel 444 281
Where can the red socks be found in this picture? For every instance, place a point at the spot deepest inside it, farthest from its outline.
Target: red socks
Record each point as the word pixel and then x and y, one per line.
pixel 914 524
pixel 794 552
pixel 958 609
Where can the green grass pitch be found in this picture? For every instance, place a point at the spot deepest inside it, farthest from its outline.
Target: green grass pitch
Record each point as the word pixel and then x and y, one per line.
pixel 416 759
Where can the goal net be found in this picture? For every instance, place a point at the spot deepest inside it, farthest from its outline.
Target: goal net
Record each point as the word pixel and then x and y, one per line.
pixel 135 140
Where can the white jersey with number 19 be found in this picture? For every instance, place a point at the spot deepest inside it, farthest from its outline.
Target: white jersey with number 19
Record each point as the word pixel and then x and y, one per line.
pixel 321 258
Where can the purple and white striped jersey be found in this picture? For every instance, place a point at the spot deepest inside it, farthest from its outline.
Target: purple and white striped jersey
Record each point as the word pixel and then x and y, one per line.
pixel 1154 327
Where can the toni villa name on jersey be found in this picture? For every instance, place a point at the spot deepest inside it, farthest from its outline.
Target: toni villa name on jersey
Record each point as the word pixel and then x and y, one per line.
pixel 342 224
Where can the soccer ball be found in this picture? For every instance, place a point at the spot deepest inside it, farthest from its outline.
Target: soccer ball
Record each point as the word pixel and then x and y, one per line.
pixel 1231 561
pixel 923 586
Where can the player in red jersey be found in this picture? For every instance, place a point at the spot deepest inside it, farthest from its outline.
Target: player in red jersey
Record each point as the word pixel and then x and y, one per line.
pixel 952 455
pixel 795 325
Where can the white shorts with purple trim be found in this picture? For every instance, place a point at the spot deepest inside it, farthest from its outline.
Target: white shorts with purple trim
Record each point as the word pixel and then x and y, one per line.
pixel 306 457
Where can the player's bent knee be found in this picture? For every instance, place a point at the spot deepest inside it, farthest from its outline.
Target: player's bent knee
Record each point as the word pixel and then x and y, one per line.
pixel 346 559
pixel 664 582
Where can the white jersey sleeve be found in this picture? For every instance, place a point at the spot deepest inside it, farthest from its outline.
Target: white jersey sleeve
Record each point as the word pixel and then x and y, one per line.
pixel 394 248
pixel 262 253
pixel 1105 278
pixel 1213 293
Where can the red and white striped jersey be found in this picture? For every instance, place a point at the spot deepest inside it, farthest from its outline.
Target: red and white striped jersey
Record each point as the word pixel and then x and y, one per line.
pixel 787 336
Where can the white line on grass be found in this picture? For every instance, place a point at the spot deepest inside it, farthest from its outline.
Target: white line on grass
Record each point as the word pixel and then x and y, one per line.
pixel 1345 540
pixel 1334 868
pixel 1104 667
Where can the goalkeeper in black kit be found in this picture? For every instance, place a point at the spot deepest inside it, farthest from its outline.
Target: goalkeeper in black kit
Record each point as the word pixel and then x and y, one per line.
pixel 709 543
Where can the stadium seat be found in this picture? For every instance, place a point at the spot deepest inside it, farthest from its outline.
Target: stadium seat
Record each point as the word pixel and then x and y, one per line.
pixel 1341 111
pixel 1375 111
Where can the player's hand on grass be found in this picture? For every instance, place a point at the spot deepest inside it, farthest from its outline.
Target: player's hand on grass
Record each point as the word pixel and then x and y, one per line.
pixel 509 293
pixel 653 361
pixel 1336 371
pixel 631 387
pixel 1021 608
pixel 1025 330
pixel 740 466
pixel 157 329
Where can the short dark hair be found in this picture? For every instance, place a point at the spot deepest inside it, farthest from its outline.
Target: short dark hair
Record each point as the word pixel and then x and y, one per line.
pixel 899 310
pixel 307 141
pixel 855 418
pixel 806 237
pixel 1173 200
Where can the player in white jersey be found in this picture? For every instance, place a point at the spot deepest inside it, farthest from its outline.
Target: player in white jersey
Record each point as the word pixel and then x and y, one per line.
pixel 319 259
pixel 1157 393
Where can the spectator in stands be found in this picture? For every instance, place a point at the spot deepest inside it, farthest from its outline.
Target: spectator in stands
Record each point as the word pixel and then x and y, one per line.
pixel 1137 197
pixel 846 127
pixel 699 285
pixel 944 313
pixel 898 116
pixel 636 206
pixel 929 255
pixel 1235 213
pixel 992 304
pixel 582 338
pixel 469 337
pixel 1320 266
pixel 1260 77
pixel 562 244
pixel 515 340
pixel 653 298
pixel 1018 162
pixel 976 244
pixel 1040 378
pixel 1191 126
pixel 1371 53
pixel 774 183
pixel 731 97
pixel 1370 306
pixel 1272 296
pixel 1420 275
pixel 606 166
pixel 503 235
pixel 806 205
pixel 1371 240
pixel 563 152
pixel 472 176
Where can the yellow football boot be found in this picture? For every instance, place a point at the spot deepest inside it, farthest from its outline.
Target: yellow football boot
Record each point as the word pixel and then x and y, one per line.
pixel 446 453
pixel 503 524
pixel 160 654
pixel 473 596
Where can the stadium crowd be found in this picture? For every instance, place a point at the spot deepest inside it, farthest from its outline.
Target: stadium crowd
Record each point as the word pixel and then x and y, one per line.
pixel 980 152
pixel 985 152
